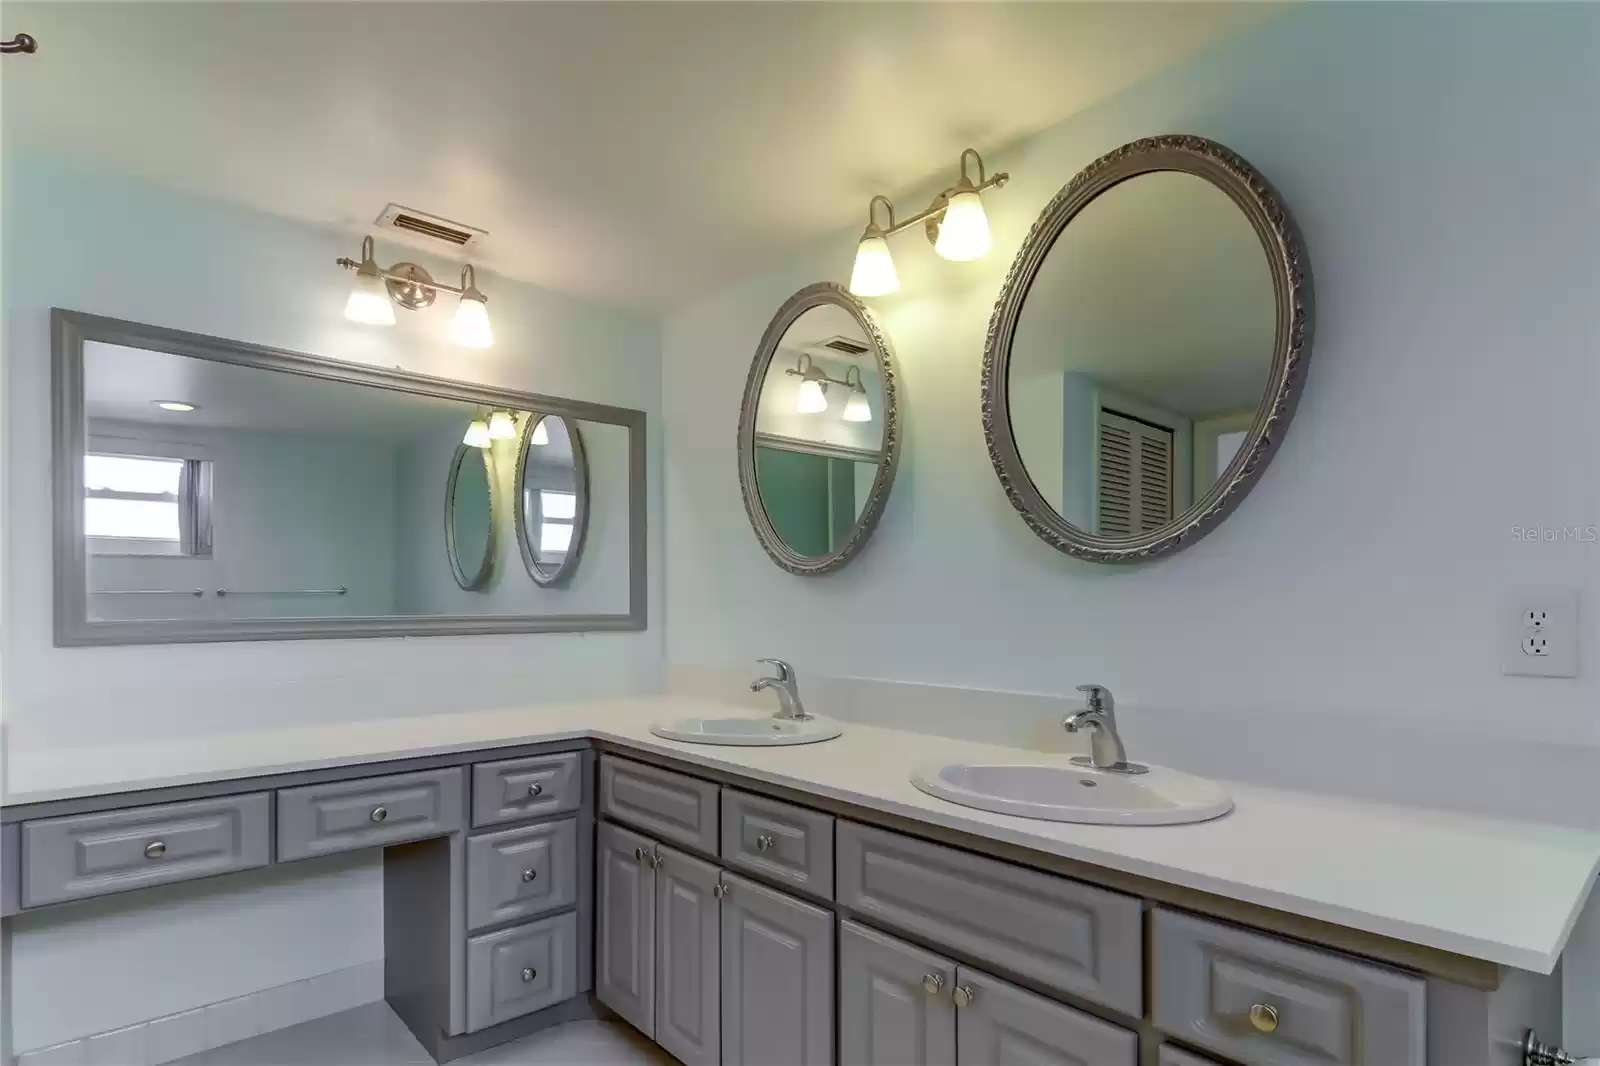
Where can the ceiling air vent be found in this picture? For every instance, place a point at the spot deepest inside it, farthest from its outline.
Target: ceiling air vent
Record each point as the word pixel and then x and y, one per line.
pixel 431 228
pixel 845 345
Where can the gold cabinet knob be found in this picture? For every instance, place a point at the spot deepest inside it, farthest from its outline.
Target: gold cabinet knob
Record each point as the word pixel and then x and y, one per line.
pixel 1264 1017
pixel 962 995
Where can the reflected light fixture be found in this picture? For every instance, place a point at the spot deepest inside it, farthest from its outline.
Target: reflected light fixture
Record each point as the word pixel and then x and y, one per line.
pixel 477 434
pixel 376 292
pixel 541 435
pixel 502 426
pixel 955 224
pixel 812 398
pixel 856 408
pixel 176 405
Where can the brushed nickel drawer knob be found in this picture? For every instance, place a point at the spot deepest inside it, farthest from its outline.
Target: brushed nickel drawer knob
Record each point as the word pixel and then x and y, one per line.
pixel 1264 1017
pixel 155 849
pixel 720 890
pixel 536 789
pixel 655 860
pixel 638 853
pixel 764 842
pixel 379 813
pixel 963 996
pixel 528 974
pixel 933 983
pixel 529 875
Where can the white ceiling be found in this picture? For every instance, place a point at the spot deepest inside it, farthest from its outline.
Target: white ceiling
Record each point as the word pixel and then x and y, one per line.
pixel 635 153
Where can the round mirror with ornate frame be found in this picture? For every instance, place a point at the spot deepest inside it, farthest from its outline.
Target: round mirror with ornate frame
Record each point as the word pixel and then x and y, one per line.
pixel 552 486
pixel 1147 351
pixel 469 519
pixel 819 432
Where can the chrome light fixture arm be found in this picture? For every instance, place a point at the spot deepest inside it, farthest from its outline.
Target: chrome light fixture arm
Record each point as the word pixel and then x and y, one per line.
pixel 21 44
pixel 411 286
pixel 935 210
pixel 808 370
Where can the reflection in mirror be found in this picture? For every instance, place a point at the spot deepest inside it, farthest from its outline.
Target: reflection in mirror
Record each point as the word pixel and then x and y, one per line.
pixel 552 498
pixel 818 452
pixel 254 494
pixel 469 515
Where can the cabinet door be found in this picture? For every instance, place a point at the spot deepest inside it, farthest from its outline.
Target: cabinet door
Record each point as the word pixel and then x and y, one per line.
pixel 894 1002
pixel 688 959
pixel 998 1024
pixel 625 940
pixel 777 978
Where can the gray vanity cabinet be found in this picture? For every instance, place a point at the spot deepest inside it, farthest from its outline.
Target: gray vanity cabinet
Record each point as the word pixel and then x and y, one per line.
pixel 998 1024
pixel 688 958
pixel 625 915
pixel 777 978
pixel 894 1002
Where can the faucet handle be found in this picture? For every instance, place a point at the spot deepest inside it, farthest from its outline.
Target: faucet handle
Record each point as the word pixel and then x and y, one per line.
pixel 784 671
pixel 1100 698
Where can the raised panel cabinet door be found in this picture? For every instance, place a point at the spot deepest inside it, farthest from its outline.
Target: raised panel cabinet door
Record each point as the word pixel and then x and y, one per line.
pixel 894 1002
pixel 522 873
pixel 779 841
pixel 999 1024
pixel 777 978
pixel 625 935
pixel 688 959
pixel 520 970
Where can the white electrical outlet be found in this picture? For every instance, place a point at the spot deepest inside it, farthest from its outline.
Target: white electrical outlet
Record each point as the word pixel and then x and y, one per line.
pixel 1540 634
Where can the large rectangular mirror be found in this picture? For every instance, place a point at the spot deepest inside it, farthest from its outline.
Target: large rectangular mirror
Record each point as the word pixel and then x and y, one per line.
pixel 211 490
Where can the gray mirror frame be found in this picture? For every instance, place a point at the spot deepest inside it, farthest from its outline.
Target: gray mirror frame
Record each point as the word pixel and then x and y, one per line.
pixel 1292 289
pixel 70 330
pixel 817 295
pixel 562 574
pixel 479 578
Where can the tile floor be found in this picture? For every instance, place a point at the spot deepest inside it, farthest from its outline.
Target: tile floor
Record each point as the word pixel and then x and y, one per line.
pixel 373 1036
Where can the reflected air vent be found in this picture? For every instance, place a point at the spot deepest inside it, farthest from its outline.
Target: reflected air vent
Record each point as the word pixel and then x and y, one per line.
pixel 424 228
pixel 845 345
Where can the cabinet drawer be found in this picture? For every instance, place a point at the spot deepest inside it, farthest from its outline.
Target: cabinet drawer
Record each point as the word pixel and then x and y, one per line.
pixel 521 873
pixel 95 854
pixel 520 970
pixel 672 807
pixel 1063 933
pixel 518 789
pixel 781 841
pixel 1310 1007
pixel 1171 1056
pixel 345 815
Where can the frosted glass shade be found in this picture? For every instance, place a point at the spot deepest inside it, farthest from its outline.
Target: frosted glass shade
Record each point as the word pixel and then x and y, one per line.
pixel 470 328
pixel 541 435
pixel 874 273
pixel 964 232
pixel 811 399
pixel 502 426
pixel 369 301
pixel 857 409
pixel 477 434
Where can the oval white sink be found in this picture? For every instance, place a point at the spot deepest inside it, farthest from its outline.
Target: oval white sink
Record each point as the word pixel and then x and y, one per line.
pixel 748 732
pixel 1061 793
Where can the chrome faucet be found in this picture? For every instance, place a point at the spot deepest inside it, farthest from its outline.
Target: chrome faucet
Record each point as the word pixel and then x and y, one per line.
pixel 789 706
pixel 1105 745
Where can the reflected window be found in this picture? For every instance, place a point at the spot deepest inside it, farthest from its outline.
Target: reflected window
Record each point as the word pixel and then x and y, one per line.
pixel 557 511
pixel 146 505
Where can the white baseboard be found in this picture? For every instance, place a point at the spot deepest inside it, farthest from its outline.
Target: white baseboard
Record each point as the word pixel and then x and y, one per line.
pixel 190 1032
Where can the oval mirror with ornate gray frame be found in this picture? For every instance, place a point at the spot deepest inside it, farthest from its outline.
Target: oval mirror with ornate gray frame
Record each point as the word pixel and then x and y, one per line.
pixel 552 498
pixel 1147 350
pixel 469 536
pixel 818 431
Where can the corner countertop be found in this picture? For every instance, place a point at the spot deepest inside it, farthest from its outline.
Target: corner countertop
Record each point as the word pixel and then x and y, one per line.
pixel 1504 892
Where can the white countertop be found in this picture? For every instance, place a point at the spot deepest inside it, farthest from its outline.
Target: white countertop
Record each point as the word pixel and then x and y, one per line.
pixel 1505 892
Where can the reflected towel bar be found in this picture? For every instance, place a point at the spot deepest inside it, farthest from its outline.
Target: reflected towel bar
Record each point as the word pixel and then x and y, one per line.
pixel 149 592
pixel 340 591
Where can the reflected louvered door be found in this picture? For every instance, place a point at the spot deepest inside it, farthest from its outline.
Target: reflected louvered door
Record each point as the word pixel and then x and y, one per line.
pixel 1135 476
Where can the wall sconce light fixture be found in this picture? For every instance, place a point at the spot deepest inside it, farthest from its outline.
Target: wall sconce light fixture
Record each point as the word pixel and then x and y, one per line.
pixel 483 432
pixel 813 395
pixel 477 435
pixel 954 222
pixel 377 291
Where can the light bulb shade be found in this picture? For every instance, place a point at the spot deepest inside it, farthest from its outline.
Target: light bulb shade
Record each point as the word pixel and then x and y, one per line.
pixel 470 328
pixel 857 409
pixel 964 232
pixel 541 435
pixel 874 273
pixel 811 399
pixel 477 434
pixel 369 299
pixel 502 426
